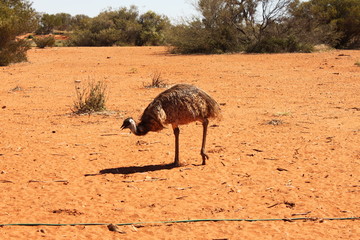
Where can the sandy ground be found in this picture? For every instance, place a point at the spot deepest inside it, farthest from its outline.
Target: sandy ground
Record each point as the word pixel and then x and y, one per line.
pixel 287 146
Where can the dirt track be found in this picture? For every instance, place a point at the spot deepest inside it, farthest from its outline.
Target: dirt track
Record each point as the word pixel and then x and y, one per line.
pixel 287 146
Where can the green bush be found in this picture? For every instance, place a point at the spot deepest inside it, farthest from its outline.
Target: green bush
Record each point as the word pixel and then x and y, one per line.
pixel 16 18
pixel 188 39
pixel 278 45
pixel 121 27
pixel 14 52
pixel 194 38
pixel 42 42
pixel 82 38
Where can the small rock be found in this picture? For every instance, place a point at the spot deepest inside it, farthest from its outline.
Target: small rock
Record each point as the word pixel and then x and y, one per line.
pixel 115 228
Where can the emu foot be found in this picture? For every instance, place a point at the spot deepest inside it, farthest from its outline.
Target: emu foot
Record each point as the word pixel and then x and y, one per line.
pixel 204 158
pixel 176 163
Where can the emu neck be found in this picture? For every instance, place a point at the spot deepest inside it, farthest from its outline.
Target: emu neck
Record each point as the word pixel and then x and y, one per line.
pixel 139 129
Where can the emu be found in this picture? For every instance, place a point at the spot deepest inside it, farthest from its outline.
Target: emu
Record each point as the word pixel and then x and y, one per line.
pixel 178 105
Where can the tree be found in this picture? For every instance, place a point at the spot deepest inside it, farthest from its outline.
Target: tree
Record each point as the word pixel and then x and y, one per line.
pixel 64 21
pixel 216 31
pixel 124 26
pixel 272 13
pixel 231 25
pixel 50 22
pixel 153 29
pixel 336 21
pixel 111 27
pixel 272 31
pixel 47 23
pixel 16 17
pixel 80 21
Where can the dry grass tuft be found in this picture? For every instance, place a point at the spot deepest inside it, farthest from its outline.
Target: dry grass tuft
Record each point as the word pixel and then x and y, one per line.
pixel 90 97
pixel 275 122
pixel 157 81
pixel 16 89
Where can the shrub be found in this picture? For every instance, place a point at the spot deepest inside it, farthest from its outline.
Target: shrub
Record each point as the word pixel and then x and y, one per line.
pixel 157 81
pixel 82 38
pixel 42 42
pixel 16 17
pixel 109 28
pixel 121 27
pixel 13 52
pixel 195 38
pixel 90 98
pixel 187 39
pixel 278 45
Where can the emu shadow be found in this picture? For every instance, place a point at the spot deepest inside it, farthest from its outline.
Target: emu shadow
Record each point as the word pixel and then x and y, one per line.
pixel 137 169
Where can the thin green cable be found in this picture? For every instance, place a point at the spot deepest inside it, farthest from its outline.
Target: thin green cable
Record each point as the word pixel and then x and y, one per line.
pixel 182 221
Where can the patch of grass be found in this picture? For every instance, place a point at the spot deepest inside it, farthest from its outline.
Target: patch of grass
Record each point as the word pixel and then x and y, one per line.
pixel 90 98
pixel 157 81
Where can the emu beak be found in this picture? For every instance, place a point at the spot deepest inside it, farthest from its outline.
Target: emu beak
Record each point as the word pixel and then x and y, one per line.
pixel 122 127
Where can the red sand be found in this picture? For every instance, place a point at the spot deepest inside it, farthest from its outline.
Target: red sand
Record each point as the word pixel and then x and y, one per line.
pixel 287 146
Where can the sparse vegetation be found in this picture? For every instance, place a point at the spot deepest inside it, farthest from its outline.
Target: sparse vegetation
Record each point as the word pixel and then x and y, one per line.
pixel 264 26
pixel 156 81
pixel 16 89
pixel 90 97
pixel 223 26
pixel 230 26
pixel 275 122
pixel 357 63
pixel 42 42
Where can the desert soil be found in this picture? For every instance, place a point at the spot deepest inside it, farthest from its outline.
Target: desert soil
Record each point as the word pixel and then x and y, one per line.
pixel 287 146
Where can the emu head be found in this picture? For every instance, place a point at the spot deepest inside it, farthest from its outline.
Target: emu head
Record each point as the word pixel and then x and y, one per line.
pixel 129 123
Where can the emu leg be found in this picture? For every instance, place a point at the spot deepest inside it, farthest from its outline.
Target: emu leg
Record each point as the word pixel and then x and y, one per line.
pixel 202 152
pixel 176 133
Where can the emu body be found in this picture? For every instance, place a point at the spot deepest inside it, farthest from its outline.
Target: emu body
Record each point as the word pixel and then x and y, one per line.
pixel 178 105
